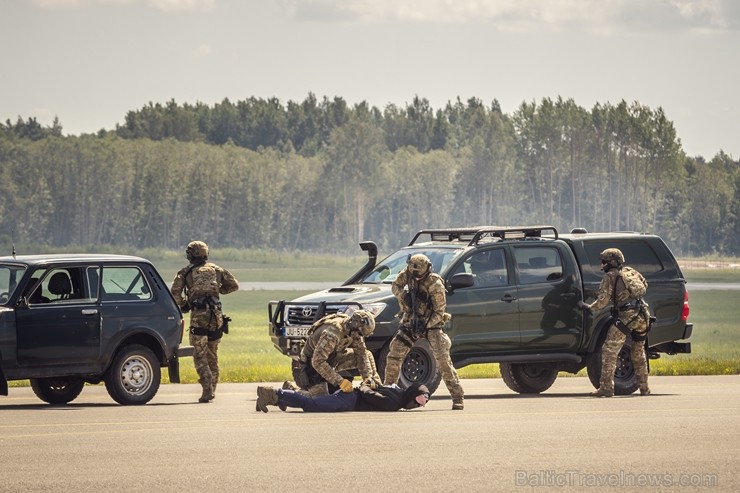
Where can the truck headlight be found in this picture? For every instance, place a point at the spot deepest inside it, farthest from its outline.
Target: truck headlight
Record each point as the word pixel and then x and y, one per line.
pixel 374 308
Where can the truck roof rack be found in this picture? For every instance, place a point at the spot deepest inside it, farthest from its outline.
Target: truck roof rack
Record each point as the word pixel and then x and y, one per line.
pixel 474 235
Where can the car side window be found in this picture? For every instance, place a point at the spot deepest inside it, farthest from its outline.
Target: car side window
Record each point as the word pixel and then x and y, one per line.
pixel 538 264
pixel 124 283
pixel 60 285
pixel 488 268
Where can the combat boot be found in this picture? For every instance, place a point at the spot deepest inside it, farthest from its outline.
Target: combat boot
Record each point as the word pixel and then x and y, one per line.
pixel 266 396
pixel 602 392
pixel 207 395
pixel 214 382
pixel 645 391
pixel 457 404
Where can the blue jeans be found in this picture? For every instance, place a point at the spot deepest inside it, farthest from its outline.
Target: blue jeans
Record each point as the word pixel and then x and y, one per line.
pixel 337 402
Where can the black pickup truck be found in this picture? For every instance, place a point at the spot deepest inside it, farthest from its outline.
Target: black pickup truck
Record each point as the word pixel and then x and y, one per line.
pixel 513 293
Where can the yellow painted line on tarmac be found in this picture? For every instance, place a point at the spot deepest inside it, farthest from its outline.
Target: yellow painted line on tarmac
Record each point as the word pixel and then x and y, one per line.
pixel 352 417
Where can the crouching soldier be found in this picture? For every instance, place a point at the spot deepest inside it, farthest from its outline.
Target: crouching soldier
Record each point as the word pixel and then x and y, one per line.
pixel 335 343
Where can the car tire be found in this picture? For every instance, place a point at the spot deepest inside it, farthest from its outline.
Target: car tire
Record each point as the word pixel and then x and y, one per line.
pixel 625 382
pixel 528 378
pixel 134 376
pixel 57 390
pixel 419 366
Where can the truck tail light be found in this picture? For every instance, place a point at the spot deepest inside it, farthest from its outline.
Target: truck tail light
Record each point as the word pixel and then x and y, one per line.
pixel 685 313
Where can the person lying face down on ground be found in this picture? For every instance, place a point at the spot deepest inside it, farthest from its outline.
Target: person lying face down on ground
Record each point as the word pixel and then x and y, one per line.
pixel 363 398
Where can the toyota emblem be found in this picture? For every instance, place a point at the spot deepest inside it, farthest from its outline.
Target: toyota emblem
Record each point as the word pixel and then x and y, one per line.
pixel 307 311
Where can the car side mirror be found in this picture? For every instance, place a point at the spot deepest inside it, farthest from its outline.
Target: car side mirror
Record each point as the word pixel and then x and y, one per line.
pixel 461 280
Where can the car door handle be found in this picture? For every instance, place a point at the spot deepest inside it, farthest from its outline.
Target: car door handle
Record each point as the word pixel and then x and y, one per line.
pixel 508 298
pixel 568 295
pixel 90 311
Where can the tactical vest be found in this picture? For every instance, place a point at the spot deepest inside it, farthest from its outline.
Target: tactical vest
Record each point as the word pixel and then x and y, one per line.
pixel 334 323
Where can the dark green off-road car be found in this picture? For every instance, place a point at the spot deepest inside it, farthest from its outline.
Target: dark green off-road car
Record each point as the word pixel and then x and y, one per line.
pixel 513 293
pixel 70 319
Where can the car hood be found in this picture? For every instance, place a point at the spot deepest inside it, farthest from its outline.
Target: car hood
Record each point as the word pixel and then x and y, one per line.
pixel 361 293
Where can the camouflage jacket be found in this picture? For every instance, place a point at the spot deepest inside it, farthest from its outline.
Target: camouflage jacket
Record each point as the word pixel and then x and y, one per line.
pixel 431 299
pixel 606 296
pixel 198 287
pixel 330 339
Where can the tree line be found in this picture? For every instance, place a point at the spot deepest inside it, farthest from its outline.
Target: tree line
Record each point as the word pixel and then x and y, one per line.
pixel 324 175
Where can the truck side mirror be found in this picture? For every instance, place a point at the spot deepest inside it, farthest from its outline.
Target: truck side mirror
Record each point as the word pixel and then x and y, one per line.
pixel 461 280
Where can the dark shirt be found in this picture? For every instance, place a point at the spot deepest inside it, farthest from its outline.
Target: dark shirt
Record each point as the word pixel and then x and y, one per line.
pixel 386 398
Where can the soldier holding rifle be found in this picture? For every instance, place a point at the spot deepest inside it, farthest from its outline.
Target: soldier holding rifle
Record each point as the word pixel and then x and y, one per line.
pixel 421 296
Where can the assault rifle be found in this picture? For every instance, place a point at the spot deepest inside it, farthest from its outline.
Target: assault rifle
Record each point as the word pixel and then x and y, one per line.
pixel 417 327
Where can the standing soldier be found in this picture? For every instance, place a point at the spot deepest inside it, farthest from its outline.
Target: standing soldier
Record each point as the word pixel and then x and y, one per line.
pixel 335 343
pixel 421 295
pixel 623 287
pixel 196 288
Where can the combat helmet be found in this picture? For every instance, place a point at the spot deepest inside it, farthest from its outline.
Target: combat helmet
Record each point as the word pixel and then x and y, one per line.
pixel 419 265
pixel 611 258
pixel 362 321
pixel 196 250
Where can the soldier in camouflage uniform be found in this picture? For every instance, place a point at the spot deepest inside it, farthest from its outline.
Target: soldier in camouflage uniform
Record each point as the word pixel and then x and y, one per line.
pixel 335 343
pixel 418 282
pixel 631 317
pixel 196 288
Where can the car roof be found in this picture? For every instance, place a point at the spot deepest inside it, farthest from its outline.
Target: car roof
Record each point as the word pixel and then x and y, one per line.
pixel 605 235
pixel 50 258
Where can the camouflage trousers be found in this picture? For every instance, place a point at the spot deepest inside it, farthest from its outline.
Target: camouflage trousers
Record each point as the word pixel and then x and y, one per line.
pixel 440 344
pixel 205 358
pixel 615 339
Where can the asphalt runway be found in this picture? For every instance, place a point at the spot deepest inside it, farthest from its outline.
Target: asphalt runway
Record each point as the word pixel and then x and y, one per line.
pixel 684 437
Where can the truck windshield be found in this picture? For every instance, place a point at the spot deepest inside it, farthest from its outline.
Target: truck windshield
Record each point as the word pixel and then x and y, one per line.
pixel 10 275
pixel 388 269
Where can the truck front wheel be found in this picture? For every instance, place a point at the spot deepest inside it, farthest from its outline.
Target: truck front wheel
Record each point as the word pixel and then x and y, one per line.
pixel 419 366
pixel 625 382
pixel 528 378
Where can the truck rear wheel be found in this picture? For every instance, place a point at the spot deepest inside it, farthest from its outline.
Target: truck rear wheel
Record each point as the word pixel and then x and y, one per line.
pixel 419 366
pixel 625 382
pixel 528 378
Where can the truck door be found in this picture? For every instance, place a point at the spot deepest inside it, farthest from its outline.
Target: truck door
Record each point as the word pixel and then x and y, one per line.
pixel 61 324
pixel 485 316
pixel 548 297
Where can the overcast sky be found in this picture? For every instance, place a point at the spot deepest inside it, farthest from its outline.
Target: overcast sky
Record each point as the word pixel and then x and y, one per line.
pixel 89 62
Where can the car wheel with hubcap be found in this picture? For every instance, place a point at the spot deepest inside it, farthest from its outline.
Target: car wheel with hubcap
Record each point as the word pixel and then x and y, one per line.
pixel 134 375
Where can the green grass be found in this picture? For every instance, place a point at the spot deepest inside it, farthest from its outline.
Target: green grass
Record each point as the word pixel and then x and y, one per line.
pixel 711 275
pixel 715 344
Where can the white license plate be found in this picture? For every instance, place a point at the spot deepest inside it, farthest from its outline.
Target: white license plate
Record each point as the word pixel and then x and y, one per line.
pixel 296 331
